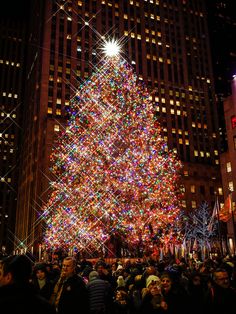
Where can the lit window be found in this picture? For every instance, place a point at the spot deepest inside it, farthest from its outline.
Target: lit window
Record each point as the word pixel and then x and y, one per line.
pixel 186 142
pixel 172 111
pixel 58 112
pixel 193 188
pixel 194 204
pixel 217 162
pixel 196 153
pixel 184 203
pixel 228 167
pixel 56 127
pixel 231 186
pixel 180 141
pixel 201 153
pixel 186 173
pixel 216 152
pixel 49 110
pixel 233 122
pixel 220 191
pixel 193 124
pixel 163 109
pixel 163 100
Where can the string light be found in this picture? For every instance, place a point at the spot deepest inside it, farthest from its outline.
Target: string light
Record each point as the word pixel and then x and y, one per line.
pixel 115 173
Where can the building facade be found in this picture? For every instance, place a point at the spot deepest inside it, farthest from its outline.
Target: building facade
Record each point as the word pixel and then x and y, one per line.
pixel 228 163
pixel 12 59
pixel 168 45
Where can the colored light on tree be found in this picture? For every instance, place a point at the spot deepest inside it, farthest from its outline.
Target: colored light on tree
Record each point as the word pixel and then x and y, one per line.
pixel 114 172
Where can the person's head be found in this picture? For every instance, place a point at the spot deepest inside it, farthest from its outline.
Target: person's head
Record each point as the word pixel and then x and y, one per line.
pixel 151 270
pixel 100 267
pixel 68 267
pixel 154 289
pixel 195 279
pixel 15 270
pixel 93 275
pixel 221 278
pixel 40 271
pixel 166 282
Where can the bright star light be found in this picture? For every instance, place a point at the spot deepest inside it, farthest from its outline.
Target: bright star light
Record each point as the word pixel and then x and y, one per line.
pixel 111 48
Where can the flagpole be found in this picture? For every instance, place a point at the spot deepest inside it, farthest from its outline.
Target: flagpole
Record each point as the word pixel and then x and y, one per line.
pixel 218 225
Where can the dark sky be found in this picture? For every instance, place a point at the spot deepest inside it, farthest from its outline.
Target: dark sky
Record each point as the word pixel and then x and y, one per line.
pixel 14 8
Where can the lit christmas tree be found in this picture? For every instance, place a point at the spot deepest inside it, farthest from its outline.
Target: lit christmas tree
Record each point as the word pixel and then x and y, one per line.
pixel 115 176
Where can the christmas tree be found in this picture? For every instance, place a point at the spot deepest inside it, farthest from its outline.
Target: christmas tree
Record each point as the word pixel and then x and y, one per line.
pixel 114 173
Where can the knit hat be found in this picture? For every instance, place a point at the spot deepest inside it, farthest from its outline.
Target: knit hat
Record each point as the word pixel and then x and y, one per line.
pixel 93 275
pixel 119 267
pixel 152 278
pixel 120 281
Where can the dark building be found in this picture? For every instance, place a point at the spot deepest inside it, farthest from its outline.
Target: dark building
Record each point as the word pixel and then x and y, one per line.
pixel 168 45
pixel 228 164
pixel 222 29
pixel 12 60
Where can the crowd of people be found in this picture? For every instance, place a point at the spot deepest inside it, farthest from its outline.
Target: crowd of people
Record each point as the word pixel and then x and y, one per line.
pixel 122 287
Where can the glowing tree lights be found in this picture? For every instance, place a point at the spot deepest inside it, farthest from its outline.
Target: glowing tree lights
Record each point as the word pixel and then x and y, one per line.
pixel 114 173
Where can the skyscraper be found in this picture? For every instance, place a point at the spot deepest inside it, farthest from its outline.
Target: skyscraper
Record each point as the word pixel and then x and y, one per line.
pixel 168 45
pixel 12 52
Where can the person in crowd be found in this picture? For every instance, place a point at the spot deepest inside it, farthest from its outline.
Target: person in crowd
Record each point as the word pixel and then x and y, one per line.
pixel 174 295
pixel 121 303
pixel 41 281
pixel 70 290
pixel 99 293
pixel 120 281
pixel 135 292
pixel 153 301
pixel 197 292
pixel 104 274
pixel 16 293
pixel 221 296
